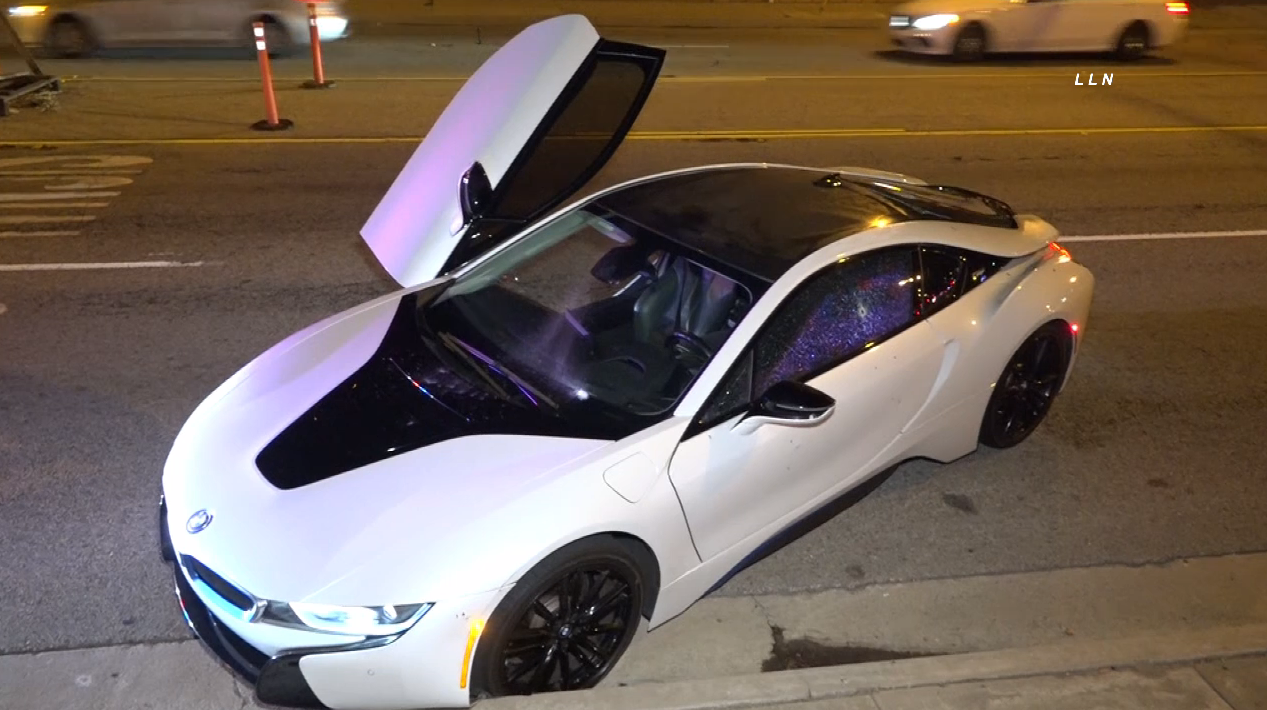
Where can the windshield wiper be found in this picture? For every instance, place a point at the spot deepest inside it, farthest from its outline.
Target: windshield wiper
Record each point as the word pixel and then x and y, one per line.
pixel 485 365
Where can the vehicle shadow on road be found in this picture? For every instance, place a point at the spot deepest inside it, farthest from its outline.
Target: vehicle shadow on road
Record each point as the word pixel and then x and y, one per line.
pixel 1026 59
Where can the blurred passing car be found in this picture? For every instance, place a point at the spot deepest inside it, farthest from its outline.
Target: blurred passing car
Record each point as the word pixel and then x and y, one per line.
pixel 969 29
pixel 77 29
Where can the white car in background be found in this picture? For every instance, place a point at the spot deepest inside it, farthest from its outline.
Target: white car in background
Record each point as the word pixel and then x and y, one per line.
pixel 967 30
pixel 77 29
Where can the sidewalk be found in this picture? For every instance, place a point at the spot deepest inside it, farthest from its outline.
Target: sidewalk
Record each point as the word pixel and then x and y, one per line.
pixel 1187 635
pixel 1222 669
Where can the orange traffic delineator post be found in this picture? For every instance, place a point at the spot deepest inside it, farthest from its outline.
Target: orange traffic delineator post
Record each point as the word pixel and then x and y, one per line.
pixel 318 69
pixel 271 122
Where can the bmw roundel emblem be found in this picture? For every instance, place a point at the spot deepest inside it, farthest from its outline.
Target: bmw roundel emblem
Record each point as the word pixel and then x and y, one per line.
pixel 198 521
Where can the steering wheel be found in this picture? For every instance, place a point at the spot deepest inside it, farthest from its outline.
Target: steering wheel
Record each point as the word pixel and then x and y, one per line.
pixel 691 344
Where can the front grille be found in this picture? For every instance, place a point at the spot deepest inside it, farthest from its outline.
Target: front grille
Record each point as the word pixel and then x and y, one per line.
pixel 245 660
pixel 227 590
pixel 900 21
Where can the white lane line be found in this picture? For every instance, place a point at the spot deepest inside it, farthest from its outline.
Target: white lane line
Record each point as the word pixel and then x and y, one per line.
pixel 59 233
pixel 1163 236
pixel 91 163
pixel 36 219
pixel 45 205
pixel 81 171
pixel 85 266
pixel 42 196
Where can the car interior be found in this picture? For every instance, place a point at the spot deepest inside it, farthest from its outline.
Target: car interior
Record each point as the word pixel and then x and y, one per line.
pixel 633 332
pixel 654 337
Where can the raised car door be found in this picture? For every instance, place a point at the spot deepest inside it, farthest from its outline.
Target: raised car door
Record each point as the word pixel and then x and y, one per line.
pixel 852 333
pixel 527 130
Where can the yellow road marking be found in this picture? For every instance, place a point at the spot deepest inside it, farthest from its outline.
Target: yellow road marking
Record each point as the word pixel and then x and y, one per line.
pixel 668 136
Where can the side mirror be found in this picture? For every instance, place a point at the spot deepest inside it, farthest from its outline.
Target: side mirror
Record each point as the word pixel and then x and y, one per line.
pixel 474 192
pixel 787 403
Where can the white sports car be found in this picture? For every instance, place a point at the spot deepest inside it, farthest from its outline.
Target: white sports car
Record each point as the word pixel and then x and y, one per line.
pixel 573 418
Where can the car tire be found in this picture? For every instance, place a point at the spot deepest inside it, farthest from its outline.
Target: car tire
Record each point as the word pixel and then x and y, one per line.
pixel 1133 42
pixel 518 628
pixel 69 38
pixel 276 38
pixel 970 44
pixel 1027 387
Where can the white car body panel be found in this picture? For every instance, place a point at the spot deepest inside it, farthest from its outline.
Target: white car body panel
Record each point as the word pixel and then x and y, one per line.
pixel 1038 25
pixel 457 524
pixel 118 23
pixel 490 120
pixel 771 472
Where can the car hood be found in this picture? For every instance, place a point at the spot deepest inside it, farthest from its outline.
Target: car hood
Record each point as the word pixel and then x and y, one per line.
pixel 919 8
pixel 289 545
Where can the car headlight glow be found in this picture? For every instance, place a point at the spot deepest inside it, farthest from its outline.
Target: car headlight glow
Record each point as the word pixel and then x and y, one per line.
pixel 359 620
pixel 28 10
pixel 935 22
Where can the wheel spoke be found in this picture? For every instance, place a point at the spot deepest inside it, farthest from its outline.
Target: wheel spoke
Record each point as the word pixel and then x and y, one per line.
pixel 544 612
pixel 608 603
pixel 541 678
pixel 595 589
pixel 565 670
pixel 526 666
pixel 590 655
pixel 1040 352
pixel 515 650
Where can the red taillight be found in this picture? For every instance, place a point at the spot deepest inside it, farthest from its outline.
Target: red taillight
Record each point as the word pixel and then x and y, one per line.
pixel 1177 8
pixel 1060 252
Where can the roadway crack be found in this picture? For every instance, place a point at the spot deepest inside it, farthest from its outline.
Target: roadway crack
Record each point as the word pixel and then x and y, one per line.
pixel 243 697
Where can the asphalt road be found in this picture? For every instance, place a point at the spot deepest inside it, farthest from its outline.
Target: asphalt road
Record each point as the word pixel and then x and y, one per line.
pixel 1153 452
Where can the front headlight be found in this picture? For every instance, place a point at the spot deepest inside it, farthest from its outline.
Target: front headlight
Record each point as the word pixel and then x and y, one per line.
pixel 355 620
pixel 935 22
pixel 28 10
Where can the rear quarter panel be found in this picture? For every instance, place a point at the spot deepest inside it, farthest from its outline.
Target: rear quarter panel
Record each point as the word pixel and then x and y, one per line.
pixel 984 328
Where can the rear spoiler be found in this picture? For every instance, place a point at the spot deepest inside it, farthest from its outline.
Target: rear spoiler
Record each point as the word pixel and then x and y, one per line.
pixel 1036 229
pixel 873 174
pixel 993 202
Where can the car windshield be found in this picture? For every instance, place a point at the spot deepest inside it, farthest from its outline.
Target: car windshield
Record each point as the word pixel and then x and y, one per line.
pixel 588 308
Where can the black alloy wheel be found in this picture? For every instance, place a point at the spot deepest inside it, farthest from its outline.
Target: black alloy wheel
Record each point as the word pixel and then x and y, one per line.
pixel 69 38
pixel 1025 391
pixel 1133 42
pixel 969 44
pixel 565 625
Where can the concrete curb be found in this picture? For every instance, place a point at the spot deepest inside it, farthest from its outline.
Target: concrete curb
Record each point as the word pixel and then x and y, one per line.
pixel 842 681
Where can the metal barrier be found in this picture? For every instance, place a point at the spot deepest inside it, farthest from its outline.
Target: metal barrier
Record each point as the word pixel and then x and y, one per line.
pixel 15 86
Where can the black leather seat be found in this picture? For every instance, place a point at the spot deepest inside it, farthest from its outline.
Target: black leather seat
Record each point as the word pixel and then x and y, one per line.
pixel 684 297
pixel 638 365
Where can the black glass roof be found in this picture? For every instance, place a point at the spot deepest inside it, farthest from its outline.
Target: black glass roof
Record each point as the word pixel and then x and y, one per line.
pixel 763 220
